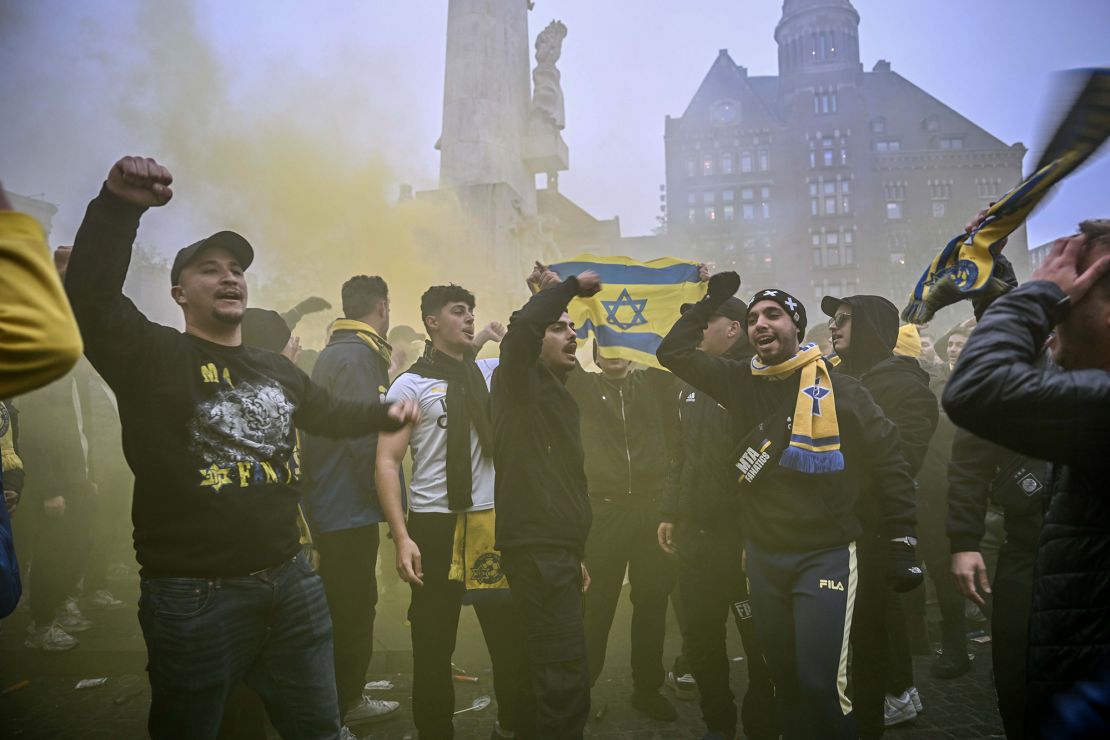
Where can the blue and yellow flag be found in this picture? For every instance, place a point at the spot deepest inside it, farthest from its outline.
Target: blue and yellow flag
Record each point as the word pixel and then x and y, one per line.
pixel 638 303
pixel 965 267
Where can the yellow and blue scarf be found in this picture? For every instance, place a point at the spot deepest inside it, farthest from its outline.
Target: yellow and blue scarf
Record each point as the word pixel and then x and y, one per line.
pixel 965 267
pixel 367 334
pixel 815 435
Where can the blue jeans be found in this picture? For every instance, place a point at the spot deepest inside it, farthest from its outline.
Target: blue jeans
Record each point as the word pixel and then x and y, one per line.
pixel 270 629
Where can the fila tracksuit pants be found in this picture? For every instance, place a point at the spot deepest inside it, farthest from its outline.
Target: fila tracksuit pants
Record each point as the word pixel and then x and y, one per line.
pixel 802 603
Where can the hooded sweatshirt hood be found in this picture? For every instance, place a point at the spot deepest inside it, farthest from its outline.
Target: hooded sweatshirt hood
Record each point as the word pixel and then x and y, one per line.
pixel 874 331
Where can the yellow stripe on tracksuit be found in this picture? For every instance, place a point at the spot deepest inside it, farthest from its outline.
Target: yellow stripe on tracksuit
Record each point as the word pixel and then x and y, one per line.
pixel 849 608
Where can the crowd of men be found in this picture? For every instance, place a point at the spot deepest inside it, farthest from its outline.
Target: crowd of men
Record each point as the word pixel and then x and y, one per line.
pixel 785 484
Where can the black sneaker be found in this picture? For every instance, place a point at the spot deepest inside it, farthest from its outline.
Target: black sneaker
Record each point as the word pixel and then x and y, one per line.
pixel 950 666
pixel 654 705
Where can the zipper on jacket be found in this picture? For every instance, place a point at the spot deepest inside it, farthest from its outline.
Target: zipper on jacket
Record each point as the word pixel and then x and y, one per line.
pixel 627 449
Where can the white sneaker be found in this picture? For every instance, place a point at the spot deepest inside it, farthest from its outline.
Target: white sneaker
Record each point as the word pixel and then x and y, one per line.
pixel 72 622
pixel 684 686
pixel 103 599
pixel 915 697
pixel 370 710
pixel 51 637
pixel 898 710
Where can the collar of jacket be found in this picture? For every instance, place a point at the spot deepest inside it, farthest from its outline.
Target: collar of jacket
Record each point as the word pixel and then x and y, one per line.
pixel 365 332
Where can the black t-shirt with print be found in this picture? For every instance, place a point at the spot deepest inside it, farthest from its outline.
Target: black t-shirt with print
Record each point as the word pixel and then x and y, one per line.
pixel 208 430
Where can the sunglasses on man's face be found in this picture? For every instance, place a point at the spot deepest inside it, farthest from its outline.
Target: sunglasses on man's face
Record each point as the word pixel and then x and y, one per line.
pixel 839 320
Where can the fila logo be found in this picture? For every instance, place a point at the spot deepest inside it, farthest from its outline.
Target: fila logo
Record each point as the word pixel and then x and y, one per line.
pixel 830 584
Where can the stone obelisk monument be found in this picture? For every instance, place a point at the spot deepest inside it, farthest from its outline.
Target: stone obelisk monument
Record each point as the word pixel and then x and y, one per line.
pixel 495 136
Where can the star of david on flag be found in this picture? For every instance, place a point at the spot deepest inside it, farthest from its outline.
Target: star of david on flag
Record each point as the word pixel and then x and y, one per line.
pixel 638 303
pixel 613 311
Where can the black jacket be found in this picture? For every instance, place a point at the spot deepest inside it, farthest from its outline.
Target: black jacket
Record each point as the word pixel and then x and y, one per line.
pixel 629 432
pixel 540 489
pixel 787 510
pixel 998 392
pixel 898 384
pixel 703 486
pixel 978 471
pixel 338 486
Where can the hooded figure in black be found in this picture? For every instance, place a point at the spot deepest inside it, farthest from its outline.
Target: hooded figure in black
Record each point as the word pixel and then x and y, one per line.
pixel 864 332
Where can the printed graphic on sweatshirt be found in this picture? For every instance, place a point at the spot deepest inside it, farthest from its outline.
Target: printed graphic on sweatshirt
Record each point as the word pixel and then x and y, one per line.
pixel 244 437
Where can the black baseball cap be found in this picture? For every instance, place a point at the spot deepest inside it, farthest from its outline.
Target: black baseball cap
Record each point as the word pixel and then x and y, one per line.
pixel 229 240
pixel 733 308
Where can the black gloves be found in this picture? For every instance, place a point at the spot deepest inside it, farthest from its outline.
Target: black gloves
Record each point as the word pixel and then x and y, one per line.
pixel 722 286
pixel 904 571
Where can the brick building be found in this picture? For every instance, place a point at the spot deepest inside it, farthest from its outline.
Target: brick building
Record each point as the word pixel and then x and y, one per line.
pixel 825 179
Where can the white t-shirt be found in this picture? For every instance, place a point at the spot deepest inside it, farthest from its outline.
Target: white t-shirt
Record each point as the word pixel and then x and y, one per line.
pixel 428 487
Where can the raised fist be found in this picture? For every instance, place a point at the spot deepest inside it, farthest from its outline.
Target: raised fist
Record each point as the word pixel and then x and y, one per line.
pixel 494 331
pixel 589 283
pixel 141 181
pixel 723 286
pixel 312 304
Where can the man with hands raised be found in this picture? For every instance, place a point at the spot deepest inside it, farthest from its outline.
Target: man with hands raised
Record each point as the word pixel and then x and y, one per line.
pixel 208 430
pixel 808 442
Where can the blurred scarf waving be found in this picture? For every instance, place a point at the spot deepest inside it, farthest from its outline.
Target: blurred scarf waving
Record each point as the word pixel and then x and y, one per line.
pixel 965 267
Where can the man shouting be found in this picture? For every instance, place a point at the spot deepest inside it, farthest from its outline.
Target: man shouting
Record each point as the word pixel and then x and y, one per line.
pixel 208 430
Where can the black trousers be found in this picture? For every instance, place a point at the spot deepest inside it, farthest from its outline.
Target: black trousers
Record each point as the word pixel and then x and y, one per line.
pixel 711 584
pixel 347 561
pixel 554 699
pixel 936 553
pixel 1013 596
pixel 621 538
pixel 803 604
pixel 109 529
pixel 881 659
pixel 434 614
pixel 61 546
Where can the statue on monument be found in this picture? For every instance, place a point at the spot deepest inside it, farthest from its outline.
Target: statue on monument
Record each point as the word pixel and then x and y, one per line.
pixel 547 91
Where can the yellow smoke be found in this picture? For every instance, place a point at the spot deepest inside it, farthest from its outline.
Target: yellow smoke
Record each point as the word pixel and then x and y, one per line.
pixel 292 166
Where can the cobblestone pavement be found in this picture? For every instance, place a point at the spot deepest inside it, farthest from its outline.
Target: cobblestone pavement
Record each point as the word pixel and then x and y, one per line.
pixel 49 706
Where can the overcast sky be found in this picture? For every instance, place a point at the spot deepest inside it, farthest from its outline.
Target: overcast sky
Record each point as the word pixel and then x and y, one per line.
pixel 83 83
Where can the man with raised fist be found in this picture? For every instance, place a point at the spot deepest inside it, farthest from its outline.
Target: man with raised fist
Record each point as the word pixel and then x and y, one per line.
pixel 809 443
pixel 208 430
pixel 543 508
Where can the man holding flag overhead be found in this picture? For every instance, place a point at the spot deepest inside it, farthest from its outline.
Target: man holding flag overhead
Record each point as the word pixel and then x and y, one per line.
pixel 811 441
pixel 630 434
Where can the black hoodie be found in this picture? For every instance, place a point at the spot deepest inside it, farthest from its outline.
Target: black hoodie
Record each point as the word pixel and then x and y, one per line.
pixel 898 384
pixel 540 488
